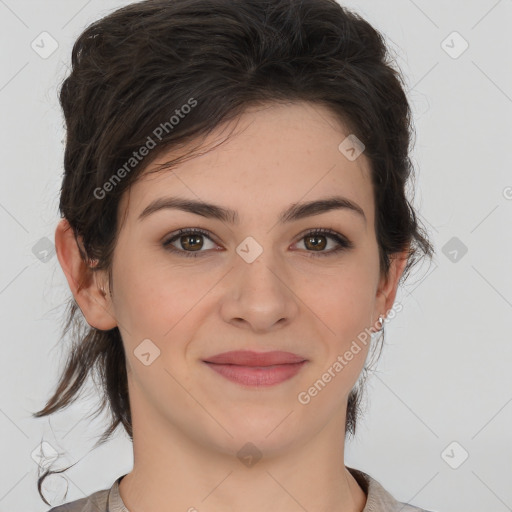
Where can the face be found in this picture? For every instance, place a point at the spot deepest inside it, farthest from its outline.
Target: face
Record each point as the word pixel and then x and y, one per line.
pixel 258 282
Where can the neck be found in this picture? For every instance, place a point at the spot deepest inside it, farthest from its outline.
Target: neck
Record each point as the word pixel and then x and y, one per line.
pixel 174 472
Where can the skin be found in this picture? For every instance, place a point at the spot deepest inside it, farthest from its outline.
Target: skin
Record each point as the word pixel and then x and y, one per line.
pixel 188 421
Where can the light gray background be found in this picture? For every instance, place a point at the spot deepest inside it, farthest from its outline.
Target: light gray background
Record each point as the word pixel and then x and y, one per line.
pixel 445 373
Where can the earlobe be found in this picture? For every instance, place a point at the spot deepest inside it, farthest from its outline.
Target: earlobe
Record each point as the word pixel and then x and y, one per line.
pixel 84 283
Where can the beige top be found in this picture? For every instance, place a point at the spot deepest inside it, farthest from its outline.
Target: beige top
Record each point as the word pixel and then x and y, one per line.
pixel 109 500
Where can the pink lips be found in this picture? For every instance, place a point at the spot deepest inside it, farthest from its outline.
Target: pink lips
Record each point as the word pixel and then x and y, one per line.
pixel 256 368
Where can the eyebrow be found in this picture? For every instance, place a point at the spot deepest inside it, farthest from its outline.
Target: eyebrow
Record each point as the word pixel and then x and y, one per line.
pixel 295 211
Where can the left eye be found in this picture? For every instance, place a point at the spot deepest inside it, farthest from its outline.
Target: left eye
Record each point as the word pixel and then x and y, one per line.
pixel 311 240
pixel 191 242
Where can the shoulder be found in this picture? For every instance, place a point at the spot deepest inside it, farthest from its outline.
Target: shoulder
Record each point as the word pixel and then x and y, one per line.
pixel 96 502
pixel 377 498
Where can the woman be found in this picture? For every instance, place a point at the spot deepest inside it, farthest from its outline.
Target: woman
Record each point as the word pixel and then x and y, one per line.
pixel 235 228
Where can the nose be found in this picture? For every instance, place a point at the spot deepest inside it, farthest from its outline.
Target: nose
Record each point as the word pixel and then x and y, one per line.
pixel 260 295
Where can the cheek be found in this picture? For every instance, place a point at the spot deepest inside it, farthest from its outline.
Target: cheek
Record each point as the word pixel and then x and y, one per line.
pixel 345 299
pixel 154 300
pixel 345 306
pixel 150 308
pixel 141 297
pixel 345 311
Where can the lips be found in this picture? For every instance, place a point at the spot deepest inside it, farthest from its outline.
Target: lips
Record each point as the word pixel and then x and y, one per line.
pixel 256 369
pixel 250 358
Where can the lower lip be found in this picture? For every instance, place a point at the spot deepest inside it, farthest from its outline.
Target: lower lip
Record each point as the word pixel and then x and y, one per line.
pixel 257 375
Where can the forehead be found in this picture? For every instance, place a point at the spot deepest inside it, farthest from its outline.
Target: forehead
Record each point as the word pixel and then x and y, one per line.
pixel 269 156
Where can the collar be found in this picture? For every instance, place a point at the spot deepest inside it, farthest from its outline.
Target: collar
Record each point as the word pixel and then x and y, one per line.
pixel 377 498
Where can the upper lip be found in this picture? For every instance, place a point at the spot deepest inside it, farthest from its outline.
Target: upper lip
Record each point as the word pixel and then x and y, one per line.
pixel 251 358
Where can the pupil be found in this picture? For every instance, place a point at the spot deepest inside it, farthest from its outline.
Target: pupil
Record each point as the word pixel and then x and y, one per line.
pixel 316 244
pixel 197 240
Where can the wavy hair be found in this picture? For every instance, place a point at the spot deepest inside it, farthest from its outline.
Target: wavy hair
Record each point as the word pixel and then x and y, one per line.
pixel 132 70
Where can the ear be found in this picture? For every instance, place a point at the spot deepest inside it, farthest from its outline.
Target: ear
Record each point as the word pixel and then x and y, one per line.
pixel 388 285
pixel 86 284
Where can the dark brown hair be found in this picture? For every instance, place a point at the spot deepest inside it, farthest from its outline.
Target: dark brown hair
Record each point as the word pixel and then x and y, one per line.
pixel 132 74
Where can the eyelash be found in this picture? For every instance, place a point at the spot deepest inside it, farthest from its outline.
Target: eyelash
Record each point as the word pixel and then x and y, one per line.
pixel 343 242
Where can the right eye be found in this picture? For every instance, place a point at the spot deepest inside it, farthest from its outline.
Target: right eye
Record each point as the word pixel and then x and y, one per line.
pixel 189 238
